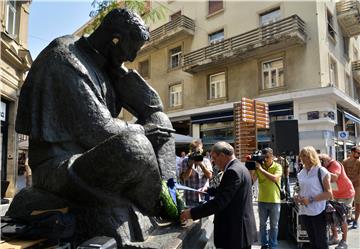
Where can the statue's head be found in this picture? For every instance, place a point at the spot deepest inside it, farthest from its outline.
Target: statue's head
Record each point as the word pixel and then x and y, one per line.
pixel 126 33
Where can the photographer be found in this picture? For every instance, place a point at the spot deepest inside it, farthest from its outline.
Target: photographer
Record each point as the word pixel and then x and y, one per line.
pixel 195 172
pixel 268 173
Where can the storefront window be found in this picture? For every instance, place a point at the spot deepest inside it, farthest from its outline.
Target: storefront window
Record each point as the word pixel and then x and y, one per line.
pixel 339 150
pixel 339 125
pixel 349 145
pixel 350 127
pixel 214 132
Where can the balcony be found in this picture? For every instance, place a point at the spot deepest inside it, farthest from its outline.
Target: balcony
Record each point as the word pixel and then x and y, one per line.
pixel 282 34
pixel 180 26
pixel 348 15
pixel 356 70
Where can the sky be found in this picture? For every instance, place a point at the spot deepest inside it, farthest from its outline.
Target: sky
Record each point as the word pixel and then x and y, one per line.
pixel 51 19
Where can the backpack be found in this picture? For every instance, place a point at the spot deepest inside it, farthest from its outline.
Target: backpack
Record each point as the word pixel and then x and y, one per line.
pixel 52 224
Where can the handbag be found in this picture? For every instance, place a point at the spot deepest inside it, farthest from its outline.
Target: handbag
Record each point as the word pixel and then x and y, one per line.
pixel 335 212
pixel 283 194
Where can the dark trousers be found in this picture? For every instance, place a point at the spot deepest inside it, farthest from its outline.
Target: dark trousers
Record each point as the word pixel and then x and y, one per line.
pixel 285 183
pixel 316 229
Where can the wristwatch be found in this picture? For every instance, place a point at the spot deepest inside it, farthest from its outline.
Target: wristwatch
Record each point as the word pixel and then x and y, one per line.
pixel 311 199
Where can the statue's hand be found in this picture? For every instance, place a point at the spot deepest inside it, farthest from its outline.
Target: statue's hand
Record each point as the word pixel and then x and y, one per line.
pixel 119 70
pixel 157 130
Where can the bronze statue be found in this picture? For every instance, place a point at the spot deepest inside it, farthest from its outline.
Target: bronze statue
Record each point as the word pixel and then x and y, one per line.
pixel 79 151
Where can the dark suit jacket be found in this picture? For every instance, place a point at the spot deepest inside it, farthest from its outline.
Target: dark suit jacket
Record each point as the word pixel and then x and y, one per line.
pixel 234 222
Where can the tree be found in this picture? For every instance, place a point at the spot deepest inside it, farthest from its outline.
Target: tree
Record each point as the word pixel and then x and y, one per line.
pixel 142 7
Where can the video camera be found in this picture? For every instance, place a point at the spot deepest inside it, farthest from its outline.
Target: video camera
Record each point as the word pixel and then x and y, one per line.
pixel 251 159
pixel 196 156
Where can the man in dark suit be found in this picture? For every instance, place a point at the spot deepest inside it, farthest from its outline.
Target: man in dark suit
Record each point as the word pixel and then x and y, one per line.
pixel 234 222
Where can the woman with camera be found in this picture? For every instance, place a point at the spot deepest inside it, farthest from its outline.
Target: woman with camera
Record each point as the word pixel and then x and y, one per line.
pixel 195 172
pixel 312 198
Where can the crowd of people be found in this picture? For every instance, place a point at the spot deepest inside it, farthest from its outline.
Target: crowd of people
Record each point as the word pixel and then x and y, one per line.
pixel 320 178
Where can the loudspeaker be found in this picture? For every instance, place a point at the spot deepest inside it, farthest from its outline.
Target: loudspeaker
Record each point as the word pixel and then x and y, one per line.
pixel 284 137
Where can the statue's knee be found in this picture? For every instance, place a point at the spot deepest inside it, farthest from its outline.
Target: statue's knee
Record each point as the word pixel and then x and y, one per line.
pixel 132 143
pixel 133 150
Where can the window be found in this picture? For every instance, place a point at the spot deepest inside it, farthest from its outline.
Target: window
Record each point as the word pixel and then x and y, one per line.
pixel 144 69
pixel 333 72
pixel 330 25
pixel 270 17
pixel 356 93
pixel 211 133
pixel 175 15
pixel 217 86
pixel 11 21
pixel 215 5
pixel 273 73
pixel 348 85
pixel 216 37
pixel 356 54
pixel 175 57
pixel 175 95
pixel 346 41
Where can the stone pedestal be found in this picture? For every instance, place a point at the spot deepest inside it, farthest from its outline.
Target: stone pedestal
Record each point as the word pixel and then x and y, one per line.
pixel 118 219
pixel 194 235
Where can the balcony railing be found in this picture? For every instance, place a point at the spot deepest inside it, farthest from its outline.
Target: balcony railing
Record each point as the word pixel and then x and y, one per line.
pixel 356 70
pixel 348 13
pixel 180 25
pixel 283 33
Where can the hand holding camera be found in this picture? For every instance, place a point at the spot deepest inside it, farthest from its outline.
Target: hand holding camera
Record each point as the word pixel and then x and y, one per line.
pixel 196 157
pixel 254 160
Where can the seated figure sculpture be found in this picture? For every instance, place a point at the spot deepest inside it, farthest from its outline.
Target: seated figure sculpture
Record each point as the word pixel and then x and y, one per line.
pixel 79 150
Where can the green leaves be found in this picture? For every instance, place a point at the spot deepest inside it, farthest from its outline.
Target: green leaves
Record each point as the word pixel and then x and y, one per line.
pixel 142 7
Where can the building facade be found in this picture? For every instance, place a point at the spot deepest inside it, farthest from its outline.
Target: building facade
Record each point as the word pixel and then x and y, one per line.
pixel 302 58
pixel 15 62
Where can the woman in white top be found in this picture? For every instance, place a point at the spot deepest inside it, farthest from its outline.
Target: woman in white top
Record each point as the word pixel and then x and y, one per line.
pixel 312 198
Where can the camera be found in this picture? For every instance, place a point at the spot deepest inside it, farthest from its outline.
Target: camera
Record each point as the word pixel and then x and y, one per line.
pixel 251 159
pixel 196 156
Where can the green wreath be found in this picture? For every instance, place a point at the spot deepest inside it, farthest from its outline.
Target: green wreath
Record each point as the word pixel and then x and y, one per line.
pixel 171 210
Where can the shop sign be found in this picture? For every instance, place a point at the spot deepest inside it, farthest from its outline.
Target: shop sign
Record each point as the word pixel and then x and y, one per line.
pixel 343 135
pixel 313 115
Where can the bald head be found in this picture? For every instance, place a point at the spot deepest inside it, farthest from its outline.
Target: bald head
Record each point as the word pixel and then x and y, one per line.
pixel 223 147
pixel 222 153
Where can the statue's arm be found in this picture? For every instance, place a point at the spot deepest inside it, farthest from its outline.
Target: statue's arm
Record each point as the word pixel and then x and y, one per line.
pixel 135 94
pixel 138 97
pixel 141 100
pixel 86 114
